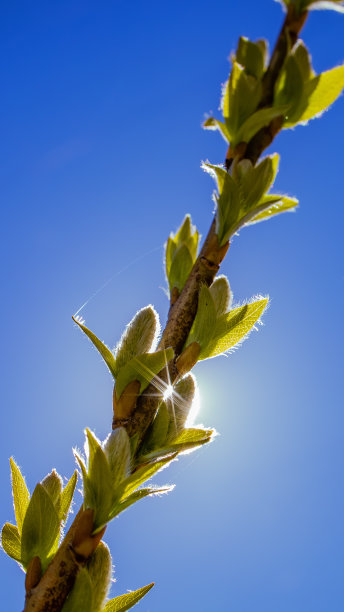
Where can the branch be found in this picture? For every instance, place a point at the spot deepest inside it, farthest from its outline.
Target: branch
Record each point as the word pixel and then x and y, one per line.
pixel 78 545
pixel 183 309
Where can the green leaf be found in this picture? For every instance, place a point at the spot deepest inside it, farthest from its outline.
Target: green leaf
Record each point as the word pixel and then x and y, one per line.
pixel 156 434
pixel 100 480
pixel 203 325
pixel 127 601
pixel 228 202
pixel 141 475
pixel 180 268
pixel 232 327
pixel 251 56
pixel 261 118
pixel 241 97
pixel 21 495
pixel 221 294
pixel 138 336
pixel 143 368
pixel 100 346
pixel 289 87
pixel 118 453
pixel 180 254
pixel 255 181
pixel 67 496
pixel 214 124
pixel 89 501
pixel 53 486
pixel 320 92
pixel 80 599
pixel 40 526
pixel 137 496
pixel 187 440
pixel 278 204
pixel 99 571
pixel 10 540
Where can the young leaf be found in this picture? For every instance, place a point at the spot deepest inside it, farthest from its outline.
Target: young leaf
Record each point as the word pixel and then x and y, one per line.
pixel 127 601
pixel 251 56
pixel 261 118
pixel 180 268
pixel 99 571
pixel 21 495
pixel 40 526
pixel 241 97
pixel 137 496
pixel 141 475
pixel 203 325
pixel 180 254
pixel 255 181
pixel 142 368
pixel 187 439
pixel 156 434
pixel 67 496
pixel 100 346
pixel 278 204
pixel 214 124
pixel 53 486
pixel 100 479
pixel 138 336
pixel 80 598
pixel 232 327
pixel 289 86
pixel 320 92
pixel 10 540
pixel 118 453
pixel 221 294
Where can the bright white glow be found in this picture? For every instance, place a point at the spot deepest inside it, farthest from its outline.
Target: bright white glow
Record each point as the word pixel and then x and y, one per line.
pixel 195 406
pixel 168 392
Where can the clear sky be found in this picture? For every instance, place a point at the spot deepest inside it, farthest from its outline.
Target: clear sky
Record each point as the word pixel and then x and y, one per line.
pixel 100 152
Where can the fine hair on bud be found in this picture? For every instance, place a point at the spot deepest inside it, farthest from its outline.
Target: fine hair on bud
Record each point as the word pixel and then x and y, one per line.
pixel 99 570
pixel 139 337
pixel 117 451
pixel 221 294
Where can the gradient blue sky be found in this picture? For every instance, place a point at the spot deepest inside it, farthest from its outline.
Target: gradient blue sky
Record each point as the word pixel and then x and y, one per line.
pixel 101 146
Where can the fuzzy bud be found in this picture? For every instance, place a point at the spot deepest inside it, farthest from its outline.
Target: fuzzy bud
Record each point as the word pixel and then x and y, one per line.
pixel 117 451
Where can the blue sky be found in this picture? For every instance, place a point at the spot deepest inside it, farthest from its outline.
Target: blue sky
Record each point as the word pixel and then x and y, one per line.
pixel 100 159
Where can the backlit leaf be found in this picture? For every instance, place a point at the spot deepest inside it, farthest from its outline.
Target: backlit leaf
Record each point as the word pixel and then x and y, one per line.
pixel 21 495
pixel 232 327
pixel 10 540
pixel 100 346
pixel 141 475
pixel 67 496
pixel 321 92
pixel 127 601
pixel 137 496
pixel 214 124
pixel 203 325
pixel 278 204
pixel 40 526
pixel 53 485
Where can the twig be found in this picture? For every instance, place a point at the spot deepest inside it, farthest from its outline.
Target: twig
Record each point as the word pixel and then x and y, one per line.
pixel 57 582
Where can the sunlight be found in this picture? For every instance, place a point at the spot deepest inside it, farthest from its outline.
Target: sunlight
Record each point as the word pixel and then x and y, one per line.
pixel 168 392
